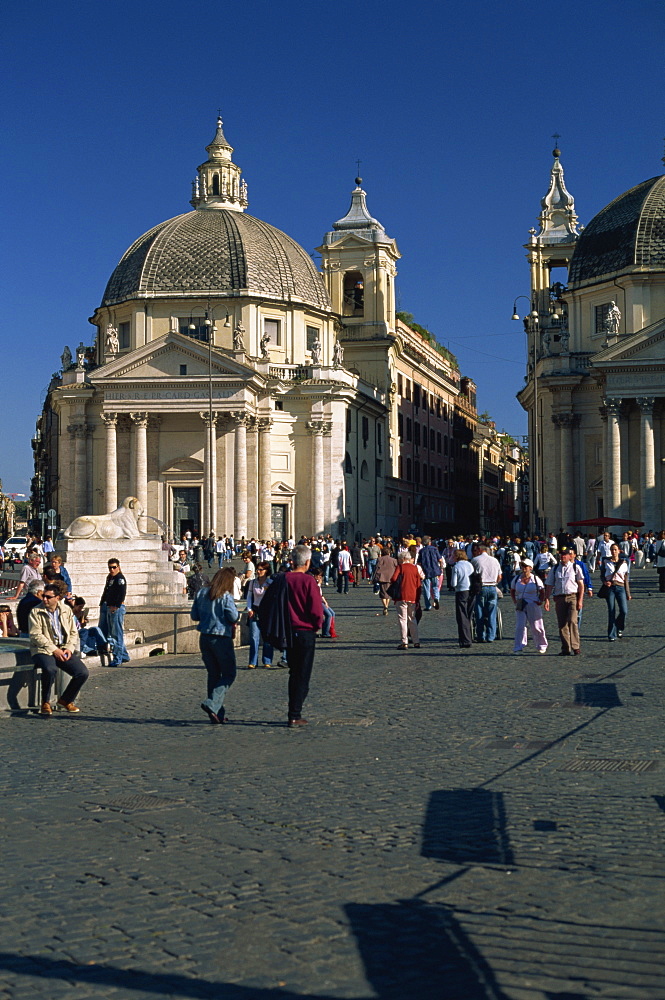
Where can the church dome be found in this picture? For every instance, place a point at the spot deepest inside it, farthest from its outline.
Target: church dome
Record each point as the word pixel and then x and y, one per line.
pixel 216 252
pixel 629 232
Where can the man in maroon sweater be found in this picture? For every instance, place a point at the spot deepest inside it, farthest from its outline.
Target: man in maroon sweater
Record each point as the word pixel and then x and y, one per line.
pixel 306 614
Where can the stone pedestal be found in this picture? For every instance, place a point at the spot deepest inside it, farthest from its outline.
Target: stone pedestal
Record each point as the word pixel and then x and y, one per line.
pixel 150 577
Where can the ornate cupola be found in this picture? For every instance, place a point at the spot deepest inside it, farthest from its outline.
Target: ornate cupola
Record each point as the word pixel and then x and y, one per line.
pixel 358 260
pixel 558 219
pixel 219 184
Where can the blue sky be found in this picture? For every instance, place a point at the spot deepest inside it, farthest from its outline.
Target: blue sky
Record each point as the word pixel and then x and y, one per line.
pixel 450 107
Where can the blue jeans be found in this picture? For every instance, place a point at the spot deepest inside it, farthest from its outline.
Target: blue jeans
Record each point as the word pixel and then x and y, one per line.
pixel 255 642
pixel 92 640
pixel 343 581
pixel 328 615
pixel 219 659
pixel 111 624
pixel 430 588
pixel 486 604
pixel 616 622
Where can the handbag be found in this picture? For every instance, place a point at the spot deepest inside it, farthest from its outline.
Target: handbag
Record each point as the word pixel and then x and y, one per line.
pixel 520 604
pixel 603 590
pixel 395 589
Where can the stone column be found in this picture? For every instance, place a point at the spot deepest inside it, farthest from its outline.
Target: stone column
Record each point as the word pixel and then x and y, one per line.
pixel 209 505
pixel 265 483
pixel 315 428
pixel 239 418
pixel 603 459
pixel 140 421
pixel 567 422
pixel 252 476
pixel 78 434
pixel 111 483
pixel 613 407
pixel 647 462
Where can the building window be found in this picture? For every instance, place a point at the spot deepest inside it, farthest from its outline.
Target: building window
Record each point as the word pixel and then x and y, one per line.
pixel 365 427
pixel 348 466
pixel 399 467
pixel 279 405
pixel 399 385
pixel 354 294
pixel 602 312
pixel 445 446
pixel 416 434
pixel 425 435
pixel 416 472
pixel 399 504
pixel 400 426
pixel 364 471
pixel 193 327
pixel 313 334
pixel 379 468
pixel 408 470
pixel 273 328
pixel 123 336
pixel 408 428
pixel 432 440
pixel 379 437
pixel 416 395
pixel 348 424
pixel 407 388
pixel 183 369
pixel 438 442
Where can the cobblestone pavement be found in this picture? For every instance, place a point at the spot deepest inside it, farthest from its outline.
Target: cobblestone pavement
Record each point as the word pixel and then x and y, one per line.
pixel 451 825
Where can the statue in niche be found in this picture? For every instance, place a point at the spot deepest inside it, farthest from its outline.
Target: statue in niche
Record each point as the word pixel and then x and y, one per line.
pixel 66 359
pixel 316 352
pixel 338 355
pixel 112 343
pixel 80 356
pixel 239 337
pixel 613 320
pixel 263 346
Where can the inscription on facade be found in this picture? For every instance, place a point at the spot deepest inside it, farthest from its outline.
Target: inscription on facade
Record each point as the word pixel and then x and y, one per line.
pixel 174 394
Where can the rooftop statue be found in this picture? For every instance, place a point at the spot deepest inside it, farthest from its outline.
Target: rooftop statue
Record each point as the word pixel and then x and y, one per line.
pixel 120 523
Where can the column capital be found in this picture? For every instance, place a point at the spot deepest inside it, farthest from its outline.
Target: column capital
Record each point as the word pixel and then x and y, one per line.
pixel 140 418
pixel 613 405
pixel 238 417
pixel 646 404
pixel 109 418
pixel 264 424
pixel 252 423
pixel 315 426
pixel 77 430
pixel 154 421
pixel 205 417
pixel 603 413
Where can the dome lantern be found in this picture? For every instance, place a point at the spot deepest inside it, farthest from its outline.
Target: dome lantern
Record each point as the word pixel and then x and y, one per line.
pixel 219 184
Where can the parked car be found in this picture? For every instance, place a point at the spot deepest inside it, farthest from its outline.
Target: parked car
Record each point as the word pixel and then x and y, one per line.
pixel 17 544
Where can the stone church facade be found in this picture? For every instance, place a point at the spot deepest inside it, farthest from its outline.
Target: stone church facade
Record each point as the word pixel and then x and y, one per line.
pixel 595 384
pixel 233 387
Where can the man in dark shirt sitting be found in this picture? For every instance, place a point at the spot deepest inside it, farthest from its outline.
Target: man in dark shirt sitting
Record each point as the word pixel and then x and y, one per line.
pixel 306 614
pixel 26 604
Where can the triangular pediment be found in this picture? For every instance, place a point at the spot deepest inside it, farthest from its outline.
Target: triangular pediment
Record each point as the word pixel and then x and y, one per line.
pixel 647 347
pixel 165 357
pixel 280 489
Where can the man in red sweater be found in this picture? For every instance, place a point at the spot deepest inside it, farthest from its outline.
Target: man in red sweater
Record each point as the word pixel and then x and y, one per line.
pixel 306 614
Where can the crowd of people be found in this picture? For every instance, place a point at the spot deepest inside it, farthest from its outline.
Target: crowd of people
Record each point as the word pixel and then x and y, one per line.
pixel 283 585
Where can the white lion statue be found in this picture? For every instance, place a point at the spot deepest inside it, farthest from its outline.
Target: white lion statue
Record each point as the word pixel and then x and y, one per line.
pixel 120 523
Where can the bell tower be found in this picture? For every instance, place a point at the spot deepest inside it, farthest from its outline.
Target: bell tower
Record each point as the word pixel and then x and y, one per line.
pixel 219 184
pixel 358 261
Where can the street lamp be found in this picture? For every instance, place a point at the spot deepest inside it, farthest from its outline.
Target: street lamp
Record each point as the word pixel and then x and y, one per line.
pixel 531 327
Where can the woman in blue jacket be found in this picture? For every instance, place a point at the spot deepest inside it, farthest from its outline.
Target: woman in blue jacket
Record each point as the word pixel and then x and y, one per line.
pixel 216 613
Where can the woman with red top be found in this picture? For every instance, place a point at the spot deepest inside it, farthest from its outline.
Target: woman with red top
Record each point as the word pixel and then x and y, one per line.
pixel 410 579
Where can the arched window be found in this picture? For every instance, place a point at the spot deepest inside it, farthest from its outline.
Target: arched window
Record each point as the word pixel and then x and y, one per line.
pixel 348 466
pixel 215 184
pixel 364 471
pixel 354 294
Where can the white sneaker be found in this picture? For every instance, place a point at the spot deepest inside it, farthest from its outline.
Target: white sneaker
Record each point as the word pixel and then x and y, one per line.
pixel 542 651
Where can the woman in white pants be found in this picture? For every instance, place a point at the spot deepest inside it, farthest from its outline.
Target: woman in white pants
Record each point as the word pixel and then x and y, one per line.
pixel 527 592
